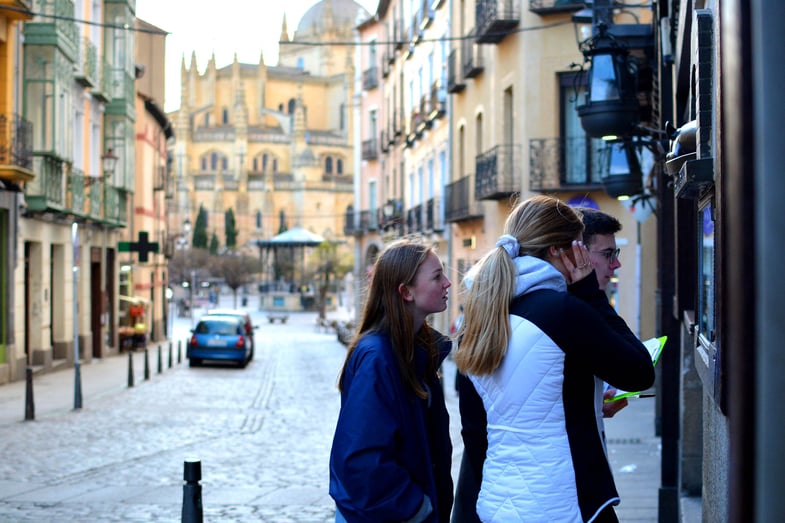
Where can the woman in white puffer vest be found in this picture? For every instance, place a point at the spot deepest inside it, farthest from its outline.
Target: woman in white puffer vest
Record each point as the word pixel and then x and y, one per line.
pixel 537 329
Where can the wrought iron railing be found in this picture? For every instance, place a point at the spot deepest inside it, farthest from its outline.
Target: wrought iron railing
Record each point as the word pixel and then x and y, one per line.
pixel 16 141
pixel 566 164
pixel 371 78
pixel 459 201
pixel 495 19
pixel 497 172
pixel 455 83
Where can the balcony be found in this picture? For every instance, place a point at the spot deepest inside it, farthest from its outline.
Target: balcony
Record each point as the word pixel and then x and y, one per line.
pixel 55 27
pixel 437 106
pixel 86 73
pixel 384 142
pixel 84 195
pixel 415 126
pixel 547 7
pixel 565 164
pixel 16 153
pixel 414 221
pixel 367 221
pixel 391 215
pixel 495 19
pixel 370 149
pixel 47 191
pixel 387 62
pixel 497 173
pixel 371 78
pixel 459 203
pixel 423 122
pixel 398 34
pixel 472 58
pixel 427 14
pixel 103 87
pixel 454 79
pixel 115 206
pixel 434 221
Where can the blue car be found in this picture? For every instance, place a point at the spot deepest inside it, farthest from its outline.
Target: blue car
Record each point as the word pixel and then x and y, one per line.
pixel 219 338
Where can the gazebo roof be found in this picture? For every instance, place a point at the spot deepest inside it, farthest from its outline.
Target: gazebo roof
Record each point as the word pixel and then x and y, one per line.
pixel 295 237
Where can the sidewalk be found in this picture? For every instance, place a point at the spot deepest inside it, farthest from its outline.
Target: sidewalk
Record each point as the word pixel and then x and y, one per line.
pixel 53 392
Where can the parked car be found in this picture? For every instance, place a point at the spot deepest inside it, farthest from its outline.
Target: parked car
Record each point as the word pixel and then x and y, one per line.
pixel 238 313
pixel 221 338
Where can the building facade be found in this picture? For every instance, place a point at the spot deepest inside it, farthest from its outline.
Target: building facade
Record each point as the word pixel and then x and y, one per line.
pixel 77 93
pixel 16 169
pixel 720 193
pixel 263 142
pixel 70 112
pixel 404 135
pixel 143 273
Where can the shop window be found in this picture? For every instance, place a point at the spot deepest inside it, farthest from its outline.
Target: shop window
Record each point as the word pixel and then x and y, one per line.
pixel 706 263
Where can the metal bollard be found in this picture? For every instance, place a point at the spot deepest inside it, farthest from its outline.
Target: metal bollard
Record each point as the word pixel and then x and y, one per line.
pixel 29 401
pixel 146 364
pixel 179 352
pixel 192 492
pixel 170 354
pixel 160 362
pixel 130 368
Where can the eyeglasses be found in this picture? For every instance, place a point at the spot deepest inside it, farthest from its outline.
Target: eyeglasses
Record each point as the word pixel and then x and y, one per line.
pixel 609 254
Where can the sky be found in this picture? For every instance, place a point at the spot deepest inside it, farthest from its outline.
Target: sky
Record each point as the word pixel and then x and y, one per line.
pixel 226 27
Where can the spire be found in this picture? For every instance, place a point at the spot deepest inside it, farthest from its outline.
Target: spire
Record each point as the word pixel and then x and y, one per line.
pixel 299 113
pixel 184 84
pixel 284 30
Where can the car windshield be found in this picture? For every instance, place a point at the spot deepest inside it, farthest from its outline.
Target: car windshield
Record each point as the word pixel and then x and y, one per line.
pixel 218 326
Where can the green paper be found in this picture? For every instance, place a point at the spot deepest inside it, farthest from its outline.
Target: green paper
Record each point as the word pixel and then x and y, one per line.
pixel 654 346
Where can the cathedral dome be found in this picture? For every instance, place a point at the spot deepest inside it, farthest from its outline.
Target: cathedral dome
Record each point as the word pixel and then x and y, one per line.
pixel 342 13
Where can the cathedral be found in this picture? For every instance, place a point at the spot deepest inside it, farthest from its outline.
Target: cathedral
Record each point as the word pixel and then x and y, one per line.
pixel 271 143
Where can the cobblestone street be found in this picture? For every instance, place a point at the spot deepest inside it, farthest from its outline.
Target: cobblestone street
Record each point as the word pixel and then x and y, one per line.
pixel 262 433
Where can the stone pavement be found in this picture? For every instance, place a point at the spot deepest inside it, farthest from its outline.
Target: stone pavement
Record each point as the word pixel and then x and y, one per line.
pixel 634 450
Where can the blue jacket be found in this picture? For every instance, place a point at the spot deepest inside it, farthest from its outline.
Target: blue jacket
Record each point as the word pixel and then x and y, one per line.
pixel 391 449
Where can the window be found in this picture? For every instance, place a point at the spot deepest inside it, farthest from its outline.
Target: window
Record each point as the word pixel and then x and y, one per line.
pixel 706 313
pixel 300 62
pixel 328 165
pixel 581 155
pixel 225 116
pixel 292 104
pixel 339 166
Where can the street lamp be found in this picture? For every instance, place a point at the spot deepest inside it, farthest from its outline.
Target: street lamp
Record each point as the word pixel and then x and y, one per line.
pixel 108 162
pixel 611 107
pixel 624 177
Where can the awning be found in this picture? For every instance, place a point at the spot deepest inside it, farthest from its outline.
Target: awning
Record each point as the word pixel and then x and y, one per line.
pixel 135 299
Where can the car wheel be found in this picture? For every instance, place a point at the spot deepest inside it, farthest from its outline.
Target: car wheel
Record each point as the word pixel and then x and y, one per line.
pixel 194 362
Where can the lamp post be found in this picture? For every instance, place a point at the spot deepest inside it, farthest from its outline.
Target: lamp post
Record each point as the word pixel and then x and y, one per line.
pixel 108 163
pixel 75 269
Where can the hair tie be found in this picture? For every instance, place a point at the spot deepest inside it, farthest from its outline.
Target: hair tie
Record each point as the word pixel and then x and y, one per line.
pixel 510 244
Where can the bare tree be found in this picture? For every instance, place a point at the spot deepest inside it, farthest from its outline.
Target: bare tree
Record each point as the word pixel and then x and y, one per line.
pixel 236 270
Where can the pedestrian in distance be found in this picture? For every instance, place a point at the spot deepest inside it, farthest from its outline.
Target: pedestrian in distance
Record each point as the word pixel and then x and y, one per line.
pixel 391 453
pixel 537 329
